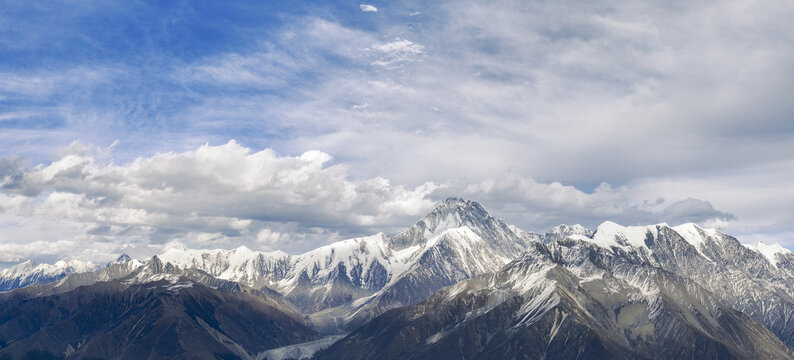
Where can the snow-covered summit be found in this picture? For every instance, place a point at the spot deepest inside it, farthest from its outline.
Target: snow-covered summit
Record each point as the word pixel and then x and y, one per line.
pixel 610 234
pixel 450 213
pixel 457 213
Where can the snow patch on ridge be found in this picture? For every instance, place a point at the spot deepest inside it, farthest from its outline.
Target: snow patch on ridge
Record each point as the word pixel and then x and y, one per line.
pixel 695 235
pixel 452 220
pixel 768 251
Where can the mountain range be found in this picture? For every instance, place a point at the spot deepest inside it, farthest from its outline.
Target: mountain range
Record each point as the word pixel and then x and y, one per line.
pixel 459 283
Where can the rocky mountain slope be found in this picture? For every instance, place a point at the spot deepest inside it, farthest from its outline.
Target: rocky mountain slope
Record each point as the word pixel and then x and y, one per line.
pixel 540 306
pixel 157 311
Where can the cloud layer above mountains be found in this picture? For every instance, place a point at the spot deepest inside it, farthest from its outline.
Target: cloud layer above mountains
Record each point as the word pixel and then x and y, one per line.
pixel 229 195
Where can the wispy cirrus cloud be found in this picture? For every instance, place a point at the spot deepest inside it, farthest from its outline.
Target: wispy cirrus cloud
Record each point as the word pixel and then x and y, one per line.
pixel 397 51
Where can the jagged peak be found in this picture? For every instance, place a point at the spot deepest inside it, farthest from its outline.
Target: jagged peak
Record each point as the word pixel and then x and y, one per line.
pixel 456 206
pixel 155 261
pixel 455 201
pixel 123 258
pixel 453 212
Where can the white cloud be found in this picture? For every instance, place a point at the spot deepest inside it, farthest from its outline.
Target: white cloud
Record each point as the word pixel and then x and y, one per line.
pixel 268 237
pixel 539 206
pixel 14 84
pixel 397 51
pixel 203 198
pixel 400 46
pixel 227 195
pixel 368 8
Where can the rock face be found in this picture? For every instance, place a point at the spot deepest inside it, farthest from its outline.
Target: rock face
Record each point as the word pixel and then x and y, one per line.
pixel 538 308
pixel 160 319
pixel 740 276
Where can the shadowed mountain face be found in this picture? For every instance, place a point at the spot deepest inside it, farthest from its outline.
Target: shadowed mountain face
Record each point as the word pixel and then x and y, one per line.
pixel 161 319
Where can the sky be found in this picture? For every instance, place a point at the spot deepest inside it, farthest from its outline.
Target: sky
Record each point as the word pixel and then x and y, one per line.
pixel 139 126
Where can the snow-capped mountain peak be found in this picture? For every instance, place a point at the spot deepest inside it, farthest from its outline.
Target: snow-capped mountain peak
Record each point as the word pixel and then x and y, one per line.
pixel 451 213
pixel 29 272
pixel 610 234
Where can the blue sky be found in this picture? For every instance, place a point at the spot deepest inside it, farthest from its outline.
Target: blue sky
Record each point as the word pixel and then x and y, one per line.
pixel 324 121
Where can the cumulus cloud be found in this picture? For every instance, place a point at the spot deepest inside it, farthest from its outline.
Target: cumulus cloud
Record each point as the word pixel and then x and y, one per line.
pixel 368 8
pixel 206 197
pixel 694 210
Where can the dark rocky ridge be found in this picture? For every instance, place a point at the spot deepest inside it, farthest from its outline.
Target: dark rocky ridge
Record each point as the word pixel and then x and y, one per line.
pixel 157 320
